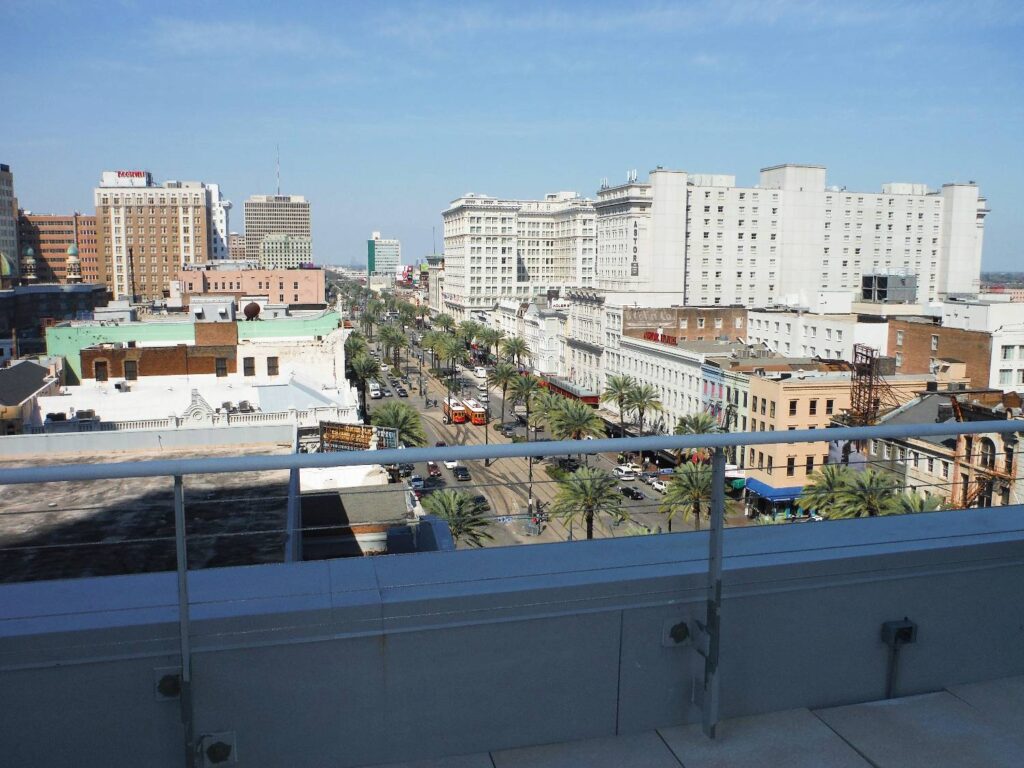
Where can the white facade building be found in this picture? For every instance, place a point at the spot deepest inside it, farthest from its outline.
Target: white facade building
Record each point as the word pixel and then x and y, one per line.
pixel 285 251
pixel 795 332
pixel 274 215
pixel 1004 320
pixel 220 209
pixel 8 220
pixel 383 257
pixel 711 242
pixel 515 248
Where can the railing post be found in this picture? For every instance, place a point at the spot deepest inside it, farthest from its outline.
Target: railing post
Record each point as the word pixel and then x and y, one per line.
pixel 181 551
pixel 714 602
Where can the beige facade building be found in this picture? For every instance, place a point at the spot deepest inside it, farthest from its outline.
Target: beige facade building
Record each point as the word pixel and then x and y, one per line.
pixel 146 233
pixel 236 246
pixel 274 215
pixel 280 286
pixel 285 251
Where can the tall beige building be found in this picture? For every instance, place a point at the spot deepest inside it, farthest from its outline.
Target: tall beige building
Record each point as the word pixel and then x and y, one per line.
pixel 274 215
pixel 145 232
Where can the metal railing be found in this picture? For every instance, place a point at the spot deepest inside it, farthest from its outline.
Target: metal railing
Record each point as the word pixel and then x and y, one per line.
pixel 706 634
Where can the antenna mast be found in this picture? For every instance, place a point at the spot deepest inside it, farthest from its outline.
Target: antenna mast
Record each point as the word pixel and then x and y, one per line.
pixel 278 170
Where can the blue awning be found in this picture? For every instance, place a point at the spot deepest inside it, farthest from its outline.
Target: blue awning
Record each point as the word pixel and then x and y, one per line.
pixel 765 491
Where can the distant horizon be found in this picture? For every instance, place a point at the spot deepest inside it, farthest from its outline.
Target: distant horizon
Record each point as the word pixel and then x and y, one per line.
pixel 385 114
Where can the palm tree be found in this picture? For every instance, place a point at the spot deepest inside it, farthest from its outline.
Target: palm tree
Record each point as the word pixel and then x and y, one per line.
pixel 371 315
pixel 523 389
pixel 616 390
pixel 871 493
pixel 489 338
pixel 391 338
pixel 429 340
pixel 452 350
pixel 515 349
pixel 502 375
pixel 575 420
pixel 422 313
pixel 820 494
pixel 587 493
pixel 701 423
pixel 354 345
pixel 464 515
pixel 643 398
pixel 910 502
pixel 467 330
pixel 364 368
pixel 688 493
pixel 545 403
pixel 406 315
pixel 402 418
pixel 444 322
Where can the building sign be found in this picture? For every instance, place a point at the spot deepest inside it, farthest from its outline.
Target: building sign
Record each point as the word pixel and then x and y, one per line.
pixel 335 436
pixel 634 267
pixel 131 174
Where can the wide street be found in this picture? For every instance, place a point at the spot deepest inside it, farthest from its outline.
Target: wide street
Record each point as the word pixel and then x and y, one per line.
pixel 505 483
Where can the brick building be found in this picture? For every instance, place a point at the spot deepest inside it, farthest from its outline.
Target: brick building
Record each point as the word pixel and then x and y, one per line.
pixel 50 236
pixel 672 325
pixel 919 345
pixel 303 287
pixel 214 351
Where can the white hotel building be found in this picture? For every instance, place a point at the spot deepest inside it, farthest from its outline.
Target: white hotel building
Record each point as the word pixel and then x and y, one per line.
pixel 496 249
pixel 706 241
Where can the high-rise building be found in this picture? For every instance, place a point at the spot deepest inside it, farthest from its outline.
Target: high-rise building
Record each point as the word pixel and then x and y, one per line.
pixel 382 256
pixel 236 246
pixel 220 209
pixel 146 232
pixel 274 215
pixel 8 224
pixel 51 235
pixel 285 251
pixel 515 248
pixel 707 241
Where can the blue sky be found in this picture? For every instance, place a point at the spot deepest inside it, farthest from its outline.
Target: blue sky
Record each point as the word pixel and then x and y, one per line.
pixel 386 111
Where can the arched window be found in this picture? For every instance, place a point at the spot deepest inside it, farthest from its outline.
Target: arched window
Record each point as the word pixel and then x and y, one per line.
pixel 987 453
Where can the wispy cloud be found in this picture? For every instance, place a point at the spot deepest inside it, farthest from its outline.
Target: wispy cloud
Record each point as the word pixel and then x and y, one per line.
pixel 234 39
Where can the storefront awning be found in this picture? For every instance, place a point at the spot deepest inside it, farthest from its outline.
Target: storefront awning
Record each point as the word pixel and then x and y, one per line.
pixel 766 491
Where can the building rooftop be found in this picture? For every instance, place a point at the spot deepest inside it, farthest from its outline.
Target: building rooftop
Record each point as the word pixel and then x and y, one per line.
pixel 20 381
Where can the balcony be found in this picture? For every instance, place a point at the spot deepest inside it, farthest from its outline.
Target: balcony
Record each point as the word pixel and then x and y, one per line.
pixel 700 648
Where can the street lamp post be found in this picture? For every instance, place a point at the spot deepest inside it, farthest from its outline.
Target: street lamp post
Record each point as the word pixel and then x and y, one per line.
pixel 487 430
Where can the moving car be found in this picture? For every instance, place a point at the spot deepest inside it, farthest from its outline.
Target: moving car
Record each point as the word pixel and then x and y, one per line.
pixel 440 444
pixel 461 473
pixel 451 463
pixel 480 372
pixel 416 482
pixel 658 485
pixel 404 470
pixel 631 493
pixel 386 392
pixel 432 469
pixel 508 430
pixel 403 392
pixel 482 502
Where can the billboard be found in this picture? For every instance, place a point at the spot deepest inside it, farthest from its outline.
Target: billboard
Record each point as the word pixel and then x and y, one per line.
pixel 335 436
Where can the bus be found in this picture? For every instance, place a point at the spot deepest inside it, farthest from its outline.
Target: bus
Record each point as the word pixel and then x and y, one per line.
pixel 477 413
pixel 454 412
pixel 373 387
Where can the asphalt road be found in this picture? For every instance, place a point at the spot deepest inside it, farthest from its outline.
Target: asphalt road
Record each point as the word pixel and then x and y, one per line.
pixel 505 484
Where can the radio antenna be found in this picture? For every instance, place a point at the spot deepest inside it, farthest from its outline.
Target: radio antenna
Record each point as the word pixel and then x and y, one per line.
pixel 279 170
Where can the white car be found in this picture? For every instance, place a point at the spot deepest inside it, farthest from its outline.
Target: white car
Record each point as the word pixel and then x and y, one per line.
pixel 658 485
pixel 624 472
pixel 451 463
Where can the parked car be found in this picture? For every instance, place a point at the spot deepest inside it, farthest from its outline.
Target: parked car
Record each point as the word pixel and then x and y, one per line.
pixel 482 501
pixel 508 430
pixel 405 470
pixel 631 493
pixel 403 392
pixel 432 469
pixel 386 392
pixel 659 485
pixel 416 482
pixel 461 473
pixel 624 472
pixel 647 477
pixel 440 444
pixel 451 463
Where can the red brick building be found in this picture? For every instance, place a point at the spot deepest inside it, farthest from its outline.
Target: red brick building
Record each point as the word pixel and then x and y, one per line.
pixel 918 344
pixel 50 236
pixel 215 351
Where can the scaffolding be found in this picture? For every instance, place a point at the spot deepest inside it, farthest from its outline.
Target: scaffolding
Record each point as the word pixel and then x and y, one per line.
pixel 869 392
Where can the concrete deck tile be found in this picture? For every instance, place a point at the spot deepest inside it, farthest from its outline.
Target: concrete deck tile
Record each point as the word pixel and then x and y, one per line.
pixel 794 738
pixel 999 700
pixel 934 730
pixel 644 750
pixel 479 760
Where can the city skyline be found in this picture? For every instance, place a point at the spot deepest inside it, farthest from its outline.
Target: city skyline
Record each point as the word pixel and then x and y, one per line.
pixel 385 121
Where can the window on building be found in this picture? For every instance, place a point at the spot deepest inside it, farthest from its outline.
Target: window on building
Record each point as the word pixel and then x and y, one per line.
pixel 769 467
pixel 100 370
pixel 221 364
pixel 792 407
pixel 935 342
pixel 809 465
pixel 131 370
pixel 249 366
pixel 272 366
pixel 829 406
pixel 813 407
pixel 1007 352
